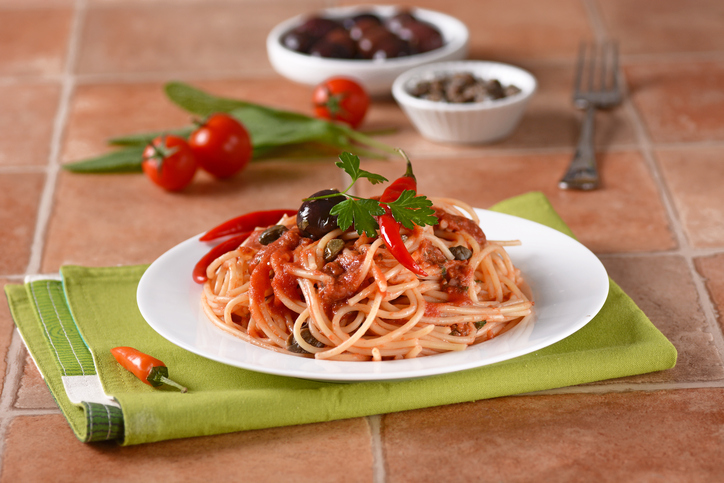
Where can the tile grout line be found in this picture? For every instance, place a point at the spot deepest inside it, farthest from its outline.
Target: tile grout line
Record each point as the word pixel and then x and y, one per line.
pixel 15 355
pixel 684 250
pixel 11 385
pixel 647 151
pixel 627 387
pixel 594 16
pixel 378 454
pixel 59 123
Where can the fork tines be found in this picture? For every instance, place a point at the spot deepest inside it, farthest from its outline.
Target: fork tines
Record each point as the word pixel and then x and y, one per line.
pixel 596 71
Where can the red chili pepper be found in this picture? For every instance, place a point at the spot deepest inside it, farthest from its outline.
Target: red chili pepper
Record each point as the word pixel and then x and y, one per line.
pixel 148 369
pixel 226 246
pixel 390 228
pixel 245 223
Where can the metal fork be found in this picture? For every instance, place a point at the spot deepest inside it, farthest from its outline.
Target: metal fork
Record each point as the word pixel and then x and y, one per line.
pixel 596 87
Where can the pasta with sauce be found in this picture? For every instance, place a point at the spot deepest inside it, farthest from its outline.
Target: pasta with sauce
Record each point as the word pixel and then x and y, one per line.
pixel 345 297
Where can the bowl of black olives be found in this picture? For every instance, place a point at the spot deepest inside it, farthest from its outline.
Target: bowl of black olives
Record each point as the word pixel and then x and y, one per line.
pixel 372 44
pixel 465 102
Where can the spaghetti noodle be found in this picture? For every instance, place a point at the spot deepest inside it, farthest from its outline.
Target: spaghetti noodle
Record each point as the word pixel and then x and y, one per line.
pixel 345 297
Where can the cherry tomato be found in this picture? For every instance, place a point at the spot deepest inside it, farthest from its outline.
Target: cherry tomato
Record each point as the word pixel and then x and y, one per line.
pixel 222 145
pixel 341 99
pixel 169 162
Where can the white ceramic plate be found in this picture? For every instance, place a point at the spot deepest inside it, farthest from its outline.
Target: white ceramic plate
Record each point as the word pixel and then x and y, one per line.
pixel 569 286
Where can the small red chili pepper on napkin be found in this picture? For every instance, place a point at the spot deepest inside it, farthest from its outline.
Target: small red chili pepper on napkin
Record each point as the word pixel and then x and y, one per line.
pixel 148 369
pixel 245 223
pixel 390 228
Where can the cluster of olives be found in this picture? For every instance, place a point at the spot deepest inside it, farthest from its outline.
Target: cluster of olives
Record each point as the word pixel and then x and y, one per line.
pixel 364 36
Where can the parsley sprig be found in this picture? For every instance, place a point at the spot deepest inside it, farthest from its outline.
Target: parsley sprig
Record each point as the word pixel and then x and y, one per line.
pixel 408 209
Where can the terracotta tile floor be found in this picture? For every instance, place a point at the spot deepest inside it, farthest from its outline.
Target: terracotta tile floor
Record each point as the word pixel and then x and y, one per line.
pixel 76 72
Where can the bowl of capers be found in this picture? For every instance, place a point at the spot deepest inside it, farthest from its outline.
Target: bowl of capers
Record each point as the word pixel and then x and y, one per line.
pixel 465 102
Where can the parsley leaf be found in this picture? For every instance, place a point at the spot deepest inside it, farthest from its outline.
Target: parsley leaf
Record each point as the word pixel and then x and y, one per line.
pixel 360 213
pixel 408 209
pixel 350 163
pixel 411 210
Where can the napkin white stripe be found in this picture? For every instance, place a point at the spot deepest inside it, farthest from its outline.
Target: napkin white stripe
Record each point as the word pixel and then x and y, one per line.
pixel 86 389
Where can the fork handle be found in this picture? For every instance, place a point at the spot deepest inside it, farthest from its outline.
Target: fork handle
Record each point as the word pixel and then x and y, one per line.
pixel 582 173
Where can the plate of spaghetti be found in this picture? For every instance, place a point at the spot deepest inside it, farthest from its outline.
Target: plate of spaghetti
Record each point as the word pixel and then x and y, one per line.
pixel 293 293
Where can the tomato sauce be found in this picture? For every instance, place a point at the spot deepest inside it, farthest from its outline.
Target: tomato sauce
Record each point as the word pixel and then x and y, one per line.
pixel 282 280
pixel 458 277
pixel 449 222
pixel 347 278
pixel 288 241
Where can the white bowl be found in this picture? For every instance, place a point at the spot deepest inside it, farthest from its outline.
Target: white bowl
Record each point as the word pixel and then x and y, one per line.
pixel 469 123
pixel 377 75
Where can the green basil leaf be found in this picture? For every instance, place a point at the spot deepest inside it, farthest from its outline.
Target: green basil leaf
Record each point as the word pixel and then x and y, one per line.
pixel 279 129
pixel 273 127
pixel 199 102
pixel 126 160
pixel 145 138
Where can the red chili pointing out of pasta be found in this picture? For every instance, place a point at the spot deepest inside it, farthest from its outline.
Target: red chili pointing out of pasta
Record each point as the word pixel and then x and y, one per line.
pixel 390 228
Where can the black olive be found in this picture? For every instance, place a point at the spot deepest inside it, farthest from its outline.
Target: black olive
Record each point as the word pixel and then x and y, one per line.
pixel 332 249
pixel 370 38
pixel 423 37
pixel 298 41
pixel 461 252
pixel 367 18
pixel 379 43
pixel 362 24
pixel 398 21
pixel 318 27
pixel 336 44
pixel 272 234
pixel 313 218
pixel 392 47
pixel 293 345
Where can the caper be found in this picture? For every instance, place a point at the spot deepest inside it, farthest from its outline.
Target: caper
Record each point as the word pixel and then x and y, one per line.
pixel 461 253
pixel 293 345
pixel 272 234
pixel 332 249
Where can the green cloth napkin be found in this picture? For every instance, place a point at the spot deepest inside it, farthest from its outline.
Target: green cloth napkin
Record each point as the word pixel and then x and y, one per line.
pixel 619 341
